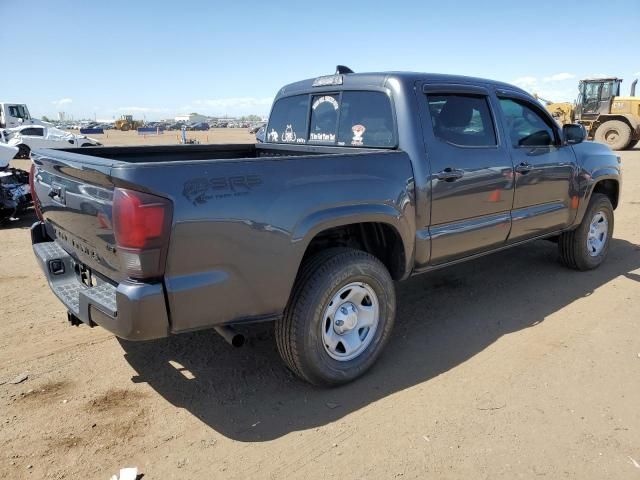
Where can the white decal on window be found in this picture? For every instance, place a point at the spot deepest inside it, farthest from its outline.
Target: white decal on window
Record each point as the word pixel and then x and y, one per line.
pixel 273 135
pixel 289 135
pixel 323 137
pixel 358 132
pixel 320 100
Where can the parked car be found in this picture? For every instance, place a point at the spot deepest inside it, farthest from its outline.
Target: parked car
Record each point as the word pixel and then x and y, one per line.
pixel 254 128
pixel 201 126
pixel 28 137
pixel 363 179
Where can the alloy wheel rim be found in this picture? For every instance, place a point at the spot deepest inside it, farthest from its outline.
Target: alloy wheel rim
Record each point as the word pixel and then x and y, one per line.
pixel 598 234
pixel 350 321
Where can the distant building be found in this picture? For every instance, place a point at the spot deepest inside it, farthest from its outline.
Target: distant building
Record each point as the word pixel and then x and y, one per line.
pixel 191 118
pixel 62 116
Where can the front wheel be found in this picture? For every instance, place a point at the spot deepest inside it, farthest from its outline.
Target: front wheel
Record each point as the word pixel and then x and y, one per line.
pixel 586 247
pixel 339 317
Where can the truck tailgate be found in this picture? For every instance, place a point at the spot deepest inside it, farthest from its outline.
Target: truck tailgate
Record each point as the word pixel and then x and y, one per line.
pixel 75 197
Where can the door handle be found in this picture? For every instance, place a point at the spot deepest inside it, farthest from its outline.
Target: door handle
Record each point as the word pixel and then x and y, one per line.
pixel 450 174
pixel 524 168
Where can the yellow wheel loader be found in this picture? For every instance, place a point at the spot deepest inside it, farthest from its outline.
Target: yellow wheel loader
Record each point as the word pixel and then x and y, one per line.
pixel 127 123
pixel 608 117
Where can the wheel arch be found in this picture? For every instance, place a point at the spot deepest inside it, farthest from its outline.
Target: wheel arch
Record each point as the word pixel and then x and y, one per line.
pixel 377 229
pixel 609 187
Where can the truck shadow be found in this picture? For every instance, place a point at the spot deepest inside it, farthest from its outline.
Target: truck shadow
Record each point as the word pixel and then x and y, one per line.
pixel 444 318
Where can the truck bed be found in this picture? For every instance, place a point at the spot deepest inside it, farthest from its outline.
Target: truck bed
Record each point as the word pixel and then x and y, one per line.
pixel 241 217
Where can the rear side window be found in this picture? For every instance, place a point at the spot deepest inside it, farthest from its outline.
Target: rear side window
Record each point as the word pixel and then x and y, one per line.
pixel 525 126
pixel 346 119
pixel 288 120
pixel 462 120
pixel 33 132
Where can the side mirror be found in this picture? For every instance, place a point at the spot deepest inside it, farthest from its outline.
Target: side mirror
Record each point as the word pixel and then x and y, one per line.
pixel 574 133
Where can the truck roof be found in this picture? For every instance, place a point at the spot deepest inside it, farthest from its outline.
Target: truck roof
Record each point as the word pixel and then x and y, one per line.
pixel 379 79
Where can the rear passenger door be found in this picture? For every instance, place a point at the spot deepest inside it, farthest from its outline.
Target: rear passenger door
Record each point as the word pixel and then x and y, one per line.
pixel 471 172
pixel 545 169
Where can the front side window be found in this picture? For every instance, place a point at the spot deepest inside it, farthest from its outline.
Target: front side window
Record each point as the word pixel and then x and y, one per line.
pixel 462 120
pixel 525 126
pixel 18 111
pixel 592 91
pixel 346 119
pixel 288 120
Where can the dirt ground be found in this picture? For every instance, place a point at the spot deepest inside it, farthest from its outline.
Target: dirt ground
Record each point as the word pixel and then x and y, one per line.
pixel 214 135
pixel 510 366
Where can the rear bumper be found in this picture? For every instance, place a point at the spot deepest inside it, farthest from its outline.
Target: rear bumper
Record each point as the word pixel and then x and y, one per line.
pixel 133 311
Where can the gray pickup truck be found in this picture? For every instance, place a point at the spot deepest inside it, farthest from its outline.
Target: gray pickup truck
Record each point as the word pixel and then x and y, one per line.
pixel 362 180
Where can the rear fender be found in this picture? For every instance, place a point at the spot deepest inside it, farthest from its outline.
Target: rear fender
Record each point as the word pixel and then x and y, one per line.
pixel 317 222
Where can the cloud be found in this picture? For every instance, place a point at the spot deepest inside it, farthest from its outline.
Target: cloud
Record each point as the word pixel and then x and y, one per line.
pixel 143 109
pixel 525 82
pixel 637 74
pixel 62 101
pixel 558 77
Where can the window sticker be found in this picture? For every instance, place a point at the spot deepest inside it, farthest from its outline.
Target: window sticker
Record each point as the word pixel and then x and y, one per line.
pixel 326 99
pixel 358 131
pixel 273 136
pixel 323 137
pixel 289 136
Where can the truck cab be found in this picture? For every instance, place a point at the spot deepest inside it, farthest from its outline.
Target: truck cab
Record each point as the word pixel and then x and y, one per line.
pixel 15 115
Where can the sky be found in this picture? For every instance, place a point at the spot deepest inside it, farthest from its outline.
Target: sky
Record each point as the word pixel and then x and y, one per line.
pixel 162 58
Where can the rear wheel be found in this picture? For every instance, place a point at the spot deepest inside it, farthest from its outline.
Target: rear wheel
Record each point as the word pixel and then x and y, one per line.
pixel 586 247
pixel 339 317
pixel 614 133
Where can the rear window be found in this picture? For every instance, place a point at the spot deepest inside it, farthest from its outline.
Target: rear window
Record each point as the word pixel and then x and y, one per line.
pixel 349 118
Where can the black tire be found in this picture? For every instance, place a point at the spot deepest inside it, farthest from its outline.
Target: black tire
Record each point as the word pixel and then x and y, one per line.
pixel 299 332
pixel 632 144
pixel 573 247
pixel 614 133
pixel 23 151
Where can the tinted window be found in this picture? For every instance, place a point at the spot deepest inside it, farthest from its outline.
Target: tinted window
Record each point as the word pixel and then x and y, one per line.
pixel 462 120
pixel 288 120
pixel 35 132
pixel 366 119
pixel 525 126
pixel 350 119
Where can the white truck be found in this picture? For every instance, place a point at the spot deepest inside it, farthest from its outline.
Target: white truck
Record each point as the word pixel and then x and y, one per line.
pixel 16 114
pixel 28 137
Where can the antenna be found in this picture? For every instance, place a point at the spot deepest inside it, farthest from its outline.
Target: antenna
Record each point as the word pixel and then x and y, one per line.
pixel 340 69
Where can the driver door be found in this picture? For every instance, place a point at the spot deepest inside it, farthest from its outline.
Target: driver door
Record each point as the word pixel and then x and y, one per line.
pixel 545 169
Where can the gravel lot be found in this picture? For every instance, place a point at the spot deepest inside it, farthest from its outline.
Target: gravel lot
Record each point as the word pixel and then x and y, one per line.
pixel 510 366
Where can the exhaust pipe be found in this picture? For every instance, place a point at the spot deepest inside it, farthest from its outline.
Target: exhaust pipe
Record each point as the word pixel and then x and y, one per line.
pixel 633 87
pixel 231 335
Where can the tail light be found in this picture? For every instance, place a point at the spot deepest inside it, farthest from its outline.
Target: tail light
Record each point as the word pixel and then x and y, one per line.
pixel 141 226
pixel 34 196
